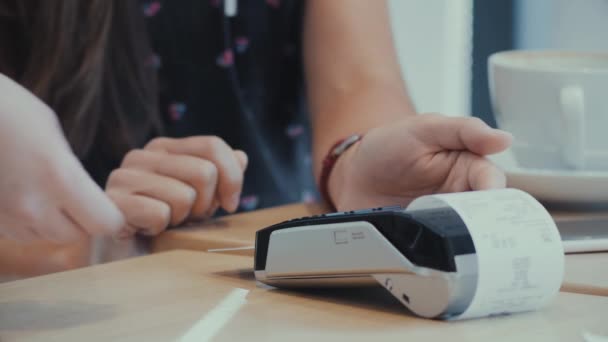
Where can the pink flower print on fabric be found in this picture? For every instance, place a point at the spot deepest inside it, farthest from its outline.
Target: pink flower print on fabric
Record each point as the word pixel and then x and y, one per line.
pixel 294 131
pixel 152 8
pixel 225 59
pixel 241 44
pixel 274 3
pixel 177 110
pixel 250 202
pixel 308 197
pixel 153 61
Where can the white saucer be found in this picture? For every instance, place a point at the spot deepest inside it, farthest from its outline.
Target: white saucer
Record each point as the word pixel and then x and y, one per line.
pixel 577 201
pixel 587 188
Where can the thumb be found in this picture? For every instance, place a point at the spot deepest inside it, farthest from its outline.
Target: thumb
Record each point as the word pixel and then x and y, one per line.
pixel 242 158
pixel 87 204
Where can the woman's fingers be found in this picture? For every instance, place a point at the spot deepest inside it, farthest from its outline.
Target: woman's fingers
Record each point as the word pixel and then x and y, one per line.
pixel 143 214
pixel 179 196
pixel 242 158
pixel 461 133
pixel 200 174
pixel 214 149
pixel 172 180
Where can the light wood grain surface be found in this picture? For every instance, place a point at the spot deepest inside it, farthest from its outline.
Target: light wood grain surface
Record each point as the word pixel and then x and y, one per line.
pixel 585 273
pixel 186 294
pixel 19 260
pixel 231 231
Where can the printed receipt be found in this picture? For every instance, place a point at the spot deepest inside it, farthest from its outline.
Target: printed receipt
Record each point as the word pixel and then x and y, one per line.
pixel 519 251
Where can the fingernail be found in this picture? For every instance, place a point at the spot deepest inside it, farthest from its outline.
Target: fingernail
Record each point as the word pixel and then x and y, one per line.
pixel 509 136
pixel 235 201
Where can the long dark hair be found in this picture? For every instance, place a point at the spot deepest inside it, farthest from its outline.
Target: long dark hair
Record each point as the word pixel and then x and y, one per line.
pixel 86 60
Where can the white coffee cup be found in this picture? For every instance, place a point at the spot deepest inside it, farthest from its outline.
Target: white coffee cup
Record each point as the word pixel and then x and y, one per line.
pixel 556 106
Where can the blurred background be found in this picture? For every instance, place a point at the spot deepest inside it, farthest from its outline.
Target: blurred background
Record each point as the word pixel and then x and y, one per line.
pixel 444 44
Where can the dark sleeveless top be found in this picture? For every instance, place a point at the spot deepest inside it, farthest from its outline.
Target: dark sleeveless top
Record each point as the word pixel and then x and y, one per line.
pixel 240 78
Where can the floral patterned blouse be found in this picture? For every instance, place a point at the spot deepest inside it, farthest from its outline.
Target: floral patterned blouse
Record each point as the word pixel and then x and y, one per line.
pixel 237 73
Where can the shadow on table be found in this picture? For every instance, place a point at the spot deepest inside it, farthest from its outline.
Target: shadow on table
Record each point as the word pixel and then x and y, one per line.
pixel 37 316
pixel 374 298
pixel 240 274
pixel 219 223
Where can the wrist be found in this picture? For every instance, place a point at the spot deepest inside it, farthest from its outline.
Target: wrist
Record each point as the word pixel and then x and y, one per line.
pixel 339 177
pixel 335 167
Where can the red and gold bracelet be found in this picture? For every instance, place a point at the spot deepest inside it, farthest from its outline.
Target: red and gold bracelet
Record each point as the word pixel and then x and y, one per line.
pixel 329 162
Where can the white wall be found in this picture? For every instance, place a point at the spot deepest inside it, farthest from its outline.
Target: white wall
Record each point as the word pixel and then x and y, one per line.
pixel 562 24
pixel 434 42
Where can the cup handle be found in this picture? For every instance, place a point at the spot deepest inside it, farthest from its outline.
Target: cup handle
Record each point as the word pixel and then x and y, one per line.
pixel 572 103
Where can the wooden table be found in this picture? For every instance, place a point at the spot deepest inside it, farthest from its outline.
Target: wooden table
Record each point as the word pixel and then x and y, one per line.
pixel 231 231
pixel 19 260
pixel 191 296
pixel 587 273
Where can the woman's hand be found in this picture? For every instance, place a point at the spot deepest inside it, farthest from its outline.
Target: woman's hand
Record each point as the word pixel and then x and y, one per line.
pixel 45 194
pixel 171 181
pixel 418 155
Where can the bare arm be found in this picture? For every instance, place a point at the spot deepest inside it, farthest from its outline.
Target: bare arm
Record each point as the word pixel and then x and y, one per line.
pixel 355 86
pixel 353 76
